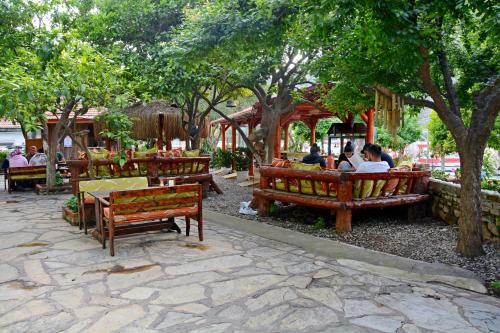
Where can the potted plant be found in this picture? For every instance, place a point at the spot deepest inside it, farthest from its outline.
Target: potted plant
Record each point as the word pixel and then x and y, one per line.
pixel 70 211
pixel 242 158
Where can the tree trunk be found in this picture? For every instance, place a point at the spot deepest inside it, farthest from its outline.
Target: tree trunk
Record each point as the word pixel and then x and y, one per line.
pixel 270 123
pixel 470 232
pixel 51 153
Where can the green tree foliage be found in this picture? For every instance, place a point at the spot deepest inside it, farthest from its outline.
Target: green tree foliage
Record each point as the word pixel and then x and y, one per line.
pixel 300 133
pixel 440 140
pixel 405 136
pixel 57 75
pixel 438 54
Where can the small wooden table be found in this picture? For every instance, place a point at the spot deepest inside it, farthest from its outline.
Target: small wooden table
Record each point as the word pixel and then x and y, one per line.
pixel 101 228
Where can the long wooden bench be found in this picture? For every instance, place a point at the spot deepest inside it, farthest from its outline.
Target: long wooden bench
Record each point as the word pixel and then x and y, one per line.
pixel 126 209
pixel 184 169
pixel 25 173
pixel 340 192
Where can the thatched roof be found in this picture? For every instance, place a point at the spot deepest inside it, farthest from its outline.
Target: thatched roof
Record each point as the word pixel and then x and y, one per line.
pixel 145 117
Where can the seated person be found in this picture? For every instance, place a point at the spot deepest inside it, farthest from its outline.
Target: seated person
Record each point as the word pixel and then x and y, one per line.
pixel 16 159
pixel 344 164
pixel 38 159
pixel 374 164
pixel 385 157
pixel 314 157
pixel 32 152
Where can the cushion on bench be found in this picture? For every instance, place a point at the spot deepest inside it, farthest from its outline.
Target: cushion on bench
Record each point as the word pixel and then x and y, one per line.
pixel 152 215
pixel 157 197
pixel 28 176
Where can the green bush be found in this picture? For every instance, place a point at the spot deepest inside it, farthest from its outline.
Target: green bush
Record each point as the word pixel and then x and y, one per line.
pixel 221 159
pixel 59 179
pixel 3 154
pixel 495 284
pixel 490 184
pixel 242 158
pixel 72 204
pixel 320 223
pixel 439 174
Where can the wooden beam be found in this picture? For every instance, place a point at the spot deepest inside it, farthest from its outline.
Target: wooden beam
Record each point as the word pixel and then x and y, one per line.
pixel 370 126
pixel 285 145
pixel 277 142
pixel 223 136
pixel 250 167
pixel 233 146
pixel 161 121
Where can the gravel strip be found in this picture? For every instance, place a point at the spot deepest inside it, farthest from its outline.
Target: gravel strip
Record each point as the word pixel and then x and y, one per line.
pixel 386 230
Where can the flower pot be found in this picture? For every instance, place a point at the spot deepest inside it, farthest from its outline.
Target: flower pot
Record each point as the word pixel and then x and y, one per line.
pixel 241 176
pixel 70 216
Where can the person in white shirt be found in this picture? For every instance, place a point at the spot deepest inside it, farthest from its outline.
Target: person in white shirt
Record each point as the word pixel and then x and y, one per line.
pixel 374 164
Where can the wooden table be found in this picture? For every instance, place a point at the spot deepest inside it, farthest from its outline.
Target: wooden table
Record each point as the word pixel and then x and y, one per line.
pixel 101 228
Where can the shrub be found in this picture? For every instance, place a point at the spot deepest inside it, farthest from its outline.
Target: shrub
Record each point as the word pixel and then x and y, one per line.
pixel 3 154
pixel 221 158
pixel 242 158
pixel 439 174
pixel 490 184
pixel 72 204
pixel 495 285
pixel 59 179
pixel 320 223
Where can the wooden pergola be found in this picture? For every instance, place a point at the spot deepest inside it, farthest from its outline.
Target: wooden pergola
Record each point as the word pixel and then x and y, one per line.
pixel 308 113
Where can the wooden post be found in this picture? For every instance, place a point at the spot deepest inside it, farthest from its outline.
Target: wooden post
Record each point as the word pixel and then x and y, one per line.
pixel 370 126
pixel 343 216
pixel 312 126
pixel 233 146
pixel 223 136
pixel 277 142
pixel 159 141
pixel 285 145
pixel 250 167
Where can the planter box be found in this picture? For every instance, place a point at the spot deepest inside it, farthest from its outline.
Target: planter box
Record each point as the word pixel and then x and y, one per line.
pixel 70 216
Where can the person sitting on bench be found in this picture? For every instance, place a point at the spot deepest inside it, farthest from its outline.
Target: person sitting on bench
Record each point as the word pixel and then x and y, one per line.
pixel 314 157
pixel 374 164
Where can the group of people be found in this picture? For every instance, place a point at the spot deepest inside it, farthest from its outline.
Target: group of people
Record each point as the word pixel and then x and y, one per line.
pixel 372 159
pixel 34 157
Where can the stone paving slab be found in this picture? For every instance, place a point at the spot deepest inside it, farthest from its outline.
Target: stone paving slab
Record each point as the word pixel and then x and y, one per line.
pixel 54 278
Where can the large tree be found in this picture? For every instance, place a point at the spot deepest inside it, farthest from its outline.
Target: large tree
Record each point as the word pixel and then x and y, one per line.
pixel 443 55
pixel 262 45
pixel 61 76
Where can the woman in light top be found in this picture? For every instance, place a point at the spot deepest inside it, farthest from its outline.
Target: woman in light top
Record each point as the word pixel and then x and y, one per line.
pixel 16 159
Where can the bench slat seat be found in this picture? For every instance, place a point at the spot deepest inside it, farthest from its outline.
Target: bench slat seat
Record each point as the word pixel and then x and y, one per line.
pixel 153 215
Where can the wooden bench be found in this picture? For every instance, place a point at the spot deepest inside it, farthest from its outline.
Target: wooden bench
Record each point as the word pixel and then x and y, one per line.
pixel 25 173
pixel 185 169
pixel 340 192
pixel 116 184
pixel 128 212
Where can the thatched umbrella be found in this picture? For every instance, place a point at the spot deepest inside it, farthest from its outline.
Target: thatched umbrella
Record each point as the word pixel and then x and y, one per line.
pixel 147 117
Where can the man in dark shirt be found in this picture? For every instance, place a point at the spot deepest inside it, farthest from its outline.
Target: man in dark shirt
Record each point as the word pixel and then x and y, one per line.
pixel 384 157
pixel 314 157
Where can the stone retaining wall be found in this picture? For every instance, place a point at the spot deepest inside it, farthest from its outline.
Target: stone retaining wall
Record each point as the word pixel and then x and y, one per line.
pixel 446 206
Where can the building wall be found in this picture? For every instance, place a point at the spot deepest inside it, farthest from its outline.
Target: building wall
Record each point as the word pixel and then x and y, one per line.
pixel 446 206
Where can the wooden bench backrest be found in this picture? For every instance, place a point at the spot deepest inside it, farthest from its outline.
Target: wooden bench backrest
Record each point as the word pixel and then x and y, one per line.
pixel 119 184
pixel 346 185
pixel 29 172
pixel 155 198
pixel 144 167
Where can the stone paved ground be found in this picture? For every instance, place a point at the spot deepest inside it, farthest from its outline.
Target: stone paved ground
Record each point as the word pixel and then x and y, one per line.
pixel 53 278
